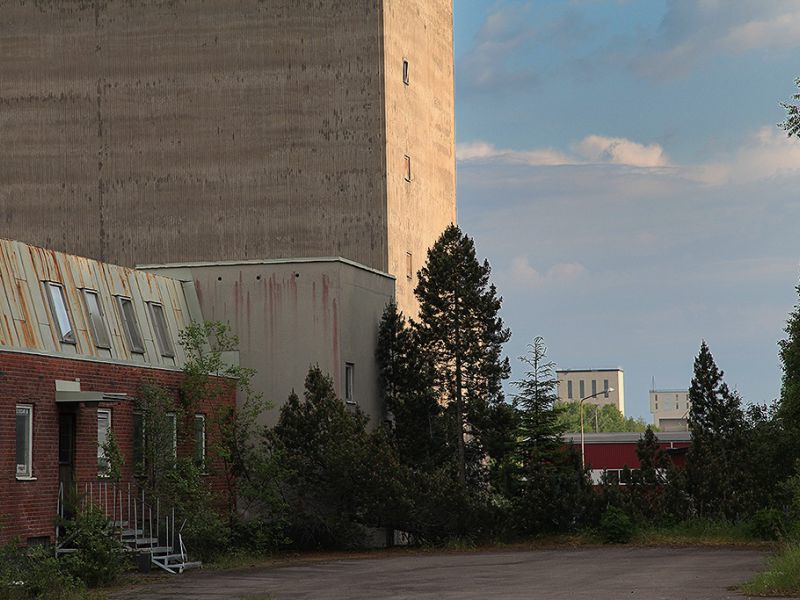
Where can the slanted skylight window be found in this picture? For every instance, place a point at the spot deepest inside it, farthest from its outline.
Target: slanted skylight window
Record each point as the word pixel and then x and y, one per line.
pixel 131 326
pixel 60 313
pixel 162 330
pixel 97 321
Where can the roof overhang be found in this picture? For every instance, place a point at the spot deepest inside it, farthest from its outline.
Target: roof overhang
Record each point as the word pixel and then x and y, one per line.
pixel 65 397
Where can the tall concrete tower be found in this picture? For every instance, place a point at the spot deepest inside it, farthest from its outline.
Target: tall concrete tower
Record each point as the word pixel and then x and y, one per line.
pixel 164 131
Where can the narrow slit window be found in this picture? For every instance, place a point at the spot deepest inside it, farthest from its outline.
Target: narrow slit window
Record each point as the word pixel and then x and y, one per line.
pixel 405 71
pixel 407 167
pixel 162 330
pixel 409 265
pixel 60 313
pixel 97 321
pixel 569 390
pixel 24 441
pixel 349 381
pixel 103 427
pixel 200 441
pixel 605 388
pixel 172 432
pixel 130 325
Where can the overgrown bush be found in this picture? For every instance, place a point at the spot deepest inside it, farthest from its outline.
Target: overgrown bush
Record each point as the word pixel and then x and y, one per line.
pixel 768 524
pixel 616 527
pixel 35 572
pixel 99 556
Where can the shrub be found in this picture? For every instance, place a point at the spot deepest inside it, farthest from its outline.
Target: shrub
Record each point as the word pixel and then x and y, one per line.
pixel 615 526
pixel 98 559
pixel 35 573
pixel 768 524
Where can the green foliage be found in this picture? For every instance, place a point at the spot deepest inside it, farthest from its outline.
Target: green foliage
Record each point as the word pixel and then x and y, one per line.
pixel 789 407
pixel 717 480
pixel 601 419
pixel 616 527
pixel 768 524
pixel 35 572
pixel 782 577
pixel 792 123
pixel 98 559
pixel 114 458
pixel 462 336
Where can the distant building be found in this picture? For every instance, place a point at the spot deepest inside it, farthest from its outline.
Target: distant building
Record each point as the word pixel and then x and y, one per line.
pixel 610 454
pixel 574 384
pixel 77 339
pixel 670 409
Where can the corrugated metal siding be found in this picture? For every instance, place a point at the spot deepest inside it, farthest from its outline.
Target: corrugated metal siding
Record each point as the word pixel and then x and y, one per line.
pixel 26 322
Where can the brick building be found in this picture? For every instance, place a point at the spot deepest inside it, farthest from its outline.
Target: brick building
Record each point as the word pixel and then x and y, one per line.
pixel 77 339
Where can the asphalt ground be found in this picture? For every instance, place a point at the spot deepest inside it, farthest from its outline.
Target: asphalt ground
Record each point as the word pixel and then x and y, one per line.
pixel 596 573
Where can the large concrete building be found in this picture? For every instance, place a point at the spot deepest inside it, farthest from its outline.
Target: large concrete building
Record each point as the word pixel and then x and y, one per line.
pixel 606 386
pixel 204 130
pixel 670 409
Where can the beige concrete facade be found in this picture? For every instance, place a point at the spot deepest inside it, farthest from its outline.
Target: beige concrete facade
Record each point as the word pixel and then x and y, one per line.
pixel 670 409
pixel 574 384
pixel 154 132
pixel 291 314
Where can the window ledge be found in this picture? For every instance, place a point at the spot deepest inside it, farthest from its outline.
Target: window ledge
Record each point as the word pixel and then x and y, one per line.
pixel 25 478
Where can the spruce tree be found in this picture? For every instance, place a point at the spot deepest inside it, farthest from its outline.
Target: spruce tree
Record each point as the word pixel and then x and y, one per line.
pixel 792 123
pixel 462 335
pixel 540 428
pixel 714 468
pixel 789 408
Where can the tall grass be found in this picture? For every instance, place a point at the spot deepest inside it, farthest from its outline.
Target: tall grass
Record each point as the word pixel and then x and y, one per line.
pixel 782 576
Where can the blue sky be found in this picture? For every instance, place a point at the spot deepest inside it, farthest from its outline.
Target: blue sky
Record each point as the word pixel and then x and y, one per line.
pixel 620 167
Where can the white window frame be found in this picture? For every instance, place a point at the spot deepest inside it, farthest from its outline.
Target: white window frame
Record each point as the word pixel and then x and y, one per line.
pixel 161 329
pixel 200 460
pixel 103 470
pixel 349 382
pixel 129 326
pixel 27 472
pixel 51 289
pixel 97 322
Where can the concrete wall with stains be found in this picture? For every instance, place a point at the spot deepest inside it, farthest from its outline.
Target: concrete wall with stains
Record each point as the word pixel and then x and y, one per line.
pixel 186 130
pixel 290 315
pixel 27 322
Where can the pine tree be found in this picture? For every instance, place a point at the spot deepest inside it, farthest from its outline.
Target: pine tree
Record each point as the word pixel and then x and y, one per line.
pixel 462 335
pixel 407 387
pixel 792 123
pixel 789 409
pixel 540 427
pixel 714 469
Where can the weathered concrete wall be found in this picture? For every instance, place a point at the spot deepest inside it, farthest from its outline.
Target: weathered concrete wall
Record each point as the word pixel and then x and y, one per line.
pixel 420 124
pixel 172 130
pixel 290 315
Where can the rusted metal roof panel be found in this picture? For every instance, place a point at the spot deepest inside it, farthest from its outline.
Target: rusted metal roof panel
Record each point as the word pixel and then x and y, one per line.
pixel 27 322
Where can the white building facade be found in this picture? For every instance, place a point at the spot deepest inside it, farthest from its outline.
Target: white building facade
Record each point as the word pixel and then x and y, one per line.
pixel 670 409
pixel 575 384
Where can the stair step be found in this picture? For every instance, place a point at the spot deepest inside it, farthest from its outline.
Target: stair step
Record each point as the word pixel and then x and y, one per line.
pixel 166 557
pixel 132 532
pixel 158 551
pixel 189 565
pixel 144 541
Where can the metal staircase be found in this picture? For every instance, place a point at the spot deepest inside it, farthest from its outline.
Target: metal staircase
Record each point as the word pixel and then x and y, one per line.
pixel 140 522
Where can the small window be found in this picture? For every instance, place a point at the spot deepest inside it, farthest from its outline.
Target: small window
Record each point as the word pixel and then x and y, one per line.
pixel 131 326
pixel 97 321
pixel 569 390
pixel 138 442
pixel 200 441
pixel 409 265
pixel 582 388
pixel 103 427
pixel 605 387
pixel 407 160
pixel 24 441
pixel 405 71
pixel 656 405
pixel 162 330
pixel 594 386
pixel 349 376
pixel 612 476
pixel 58 308
pixel 172 429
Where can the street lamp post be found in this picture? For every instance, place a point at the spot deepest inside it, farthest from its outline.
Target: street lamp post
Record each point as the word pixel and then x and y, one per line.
pixel 583 447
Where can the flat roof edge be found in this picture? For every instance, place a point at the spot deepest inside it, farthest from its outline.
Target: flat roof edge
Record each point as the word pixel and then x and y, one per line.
pixel 266 261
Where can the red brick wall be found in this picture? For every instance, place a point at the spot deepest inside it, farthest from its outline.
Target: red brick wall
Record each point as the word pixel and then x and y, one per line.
pixel 28 508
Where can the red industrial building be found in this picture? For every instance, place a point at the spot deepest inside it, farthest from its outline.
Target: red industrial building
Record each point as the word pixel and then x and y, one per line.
pixel 611 453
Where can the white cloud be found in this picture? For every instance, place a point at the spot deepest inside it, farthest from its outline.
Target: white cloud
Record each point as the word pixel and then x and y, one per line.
pixel 522 273
pixel 621 151
pixel 595 149
pixel 767 153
